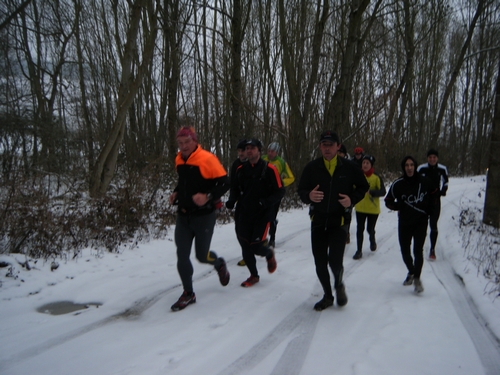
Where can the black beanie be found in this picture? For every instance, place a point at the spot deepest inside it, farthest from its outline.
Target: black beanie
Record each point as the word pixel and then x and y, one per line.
pixel 370 158
pixel 242 144
pixel 254 142
pixel 432 152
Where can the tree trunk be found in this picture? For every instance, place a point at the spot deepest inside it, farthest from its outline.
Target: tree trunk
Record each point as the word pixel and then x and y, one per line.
pixel 83 89
pixel 337 115
pixel 454 74
pixel 492 199
pixel 104 168
pixel 172 87
pixel 296 72
pixel 237 36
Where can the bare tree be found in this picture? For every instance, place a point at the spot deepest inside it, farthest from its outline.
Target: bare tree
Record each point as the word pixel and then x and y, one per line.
pixel 39 28
pixel 14 14
pixel 301 69
pixel 338 110
pixel 173 26
pixel 130 80
pixel 492 199
pixel 481 5
pixel 83 86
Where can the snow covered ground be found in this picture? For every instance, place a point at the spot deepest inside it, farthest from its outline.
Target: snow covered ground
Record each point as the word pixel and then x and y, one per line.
pixel 451 328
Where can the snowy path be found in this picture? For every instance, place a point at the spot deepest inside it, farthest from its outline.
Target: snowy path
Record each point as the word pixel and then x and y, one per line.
pixel 486 343
pixel 270 328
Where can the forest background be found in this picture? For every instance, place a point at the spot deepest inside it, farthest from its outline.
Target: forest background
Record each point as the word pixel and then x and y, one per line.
pixel 92 93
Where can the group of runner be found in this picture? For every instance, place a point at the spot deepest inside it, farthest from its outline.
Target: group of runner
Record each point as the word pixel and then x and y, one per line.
pixel 332 185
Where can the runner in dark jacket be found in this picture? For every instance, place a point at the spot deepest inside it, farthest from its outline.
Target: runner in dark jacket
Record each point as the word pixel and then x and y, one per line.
pixel 438 174
pixel 255 190
pixel 414 197
pixel 240 149
pixel 331 186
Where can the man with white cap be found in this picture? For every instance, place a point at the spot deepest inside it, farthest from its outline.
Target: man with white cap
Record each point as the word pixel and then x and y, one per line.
pixel 287 177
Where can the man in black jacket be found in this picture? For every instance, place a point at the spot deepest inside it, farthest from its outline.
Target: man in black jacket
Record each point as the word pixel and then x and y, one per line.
pixel 242 157
pixel 255 190
pixel 331 186
pixel 438 174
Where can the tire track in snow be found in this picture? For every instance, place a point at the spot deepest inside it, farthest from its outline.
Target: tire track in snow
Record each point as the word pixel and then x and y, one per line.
pixel 131 313
pixel 485 341
pixel 300 323
pixel 355 264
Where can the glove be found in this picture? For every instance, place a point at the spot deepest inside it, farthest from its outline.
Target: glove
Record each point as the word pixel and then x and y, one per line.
pixel 230 204
pixel 443 193
pixel 218 204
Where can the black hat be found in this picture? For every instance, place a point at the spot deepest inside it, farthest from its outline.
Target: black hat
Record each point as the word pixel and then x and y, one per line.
pixel 254 142
pixel 343 149
pixel 241 144
pixel 329 136
pixel 432 152
pixel 370 158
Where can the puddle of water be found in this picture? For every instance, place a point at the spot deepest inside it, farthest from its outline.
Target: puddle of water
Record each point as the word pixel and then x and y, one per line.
pixel 65 307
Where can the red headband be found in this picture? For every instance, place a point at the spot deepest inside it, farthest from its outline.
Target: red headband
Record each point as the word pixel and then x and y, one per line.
pixel 187 131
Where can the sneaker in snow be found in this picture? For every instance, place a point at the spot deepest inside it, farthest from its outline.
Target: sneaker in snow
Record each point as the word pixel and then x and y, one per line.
pixel 223 272
pixel 242 263
pixel 184 300
pixel 324 303
pixel 432 255
pixel 271 263
pixel 408 280
pixel 419 288
pixel 357 255
pixel 252 280
pixel 341 295
pixel 373 246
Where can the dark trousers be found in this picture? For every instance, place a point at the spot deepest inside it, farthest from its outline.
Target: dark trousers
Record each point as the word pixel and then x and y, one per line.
pixel 433 223
pixel 328 245
pixel 347 222
pixel 371 221
pixel 199 228
pixel 417 233
pixel 274 221
pixel 251 235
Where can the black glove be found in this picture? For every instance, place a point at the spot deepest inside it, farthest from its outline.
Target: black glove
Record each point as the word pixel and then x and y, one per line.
pixel 443 193
pixel 230 204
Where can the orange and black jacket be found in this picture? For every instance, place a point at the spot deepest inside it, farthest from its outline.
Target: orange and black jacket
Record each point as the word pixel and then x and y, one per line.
pixel 202 172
